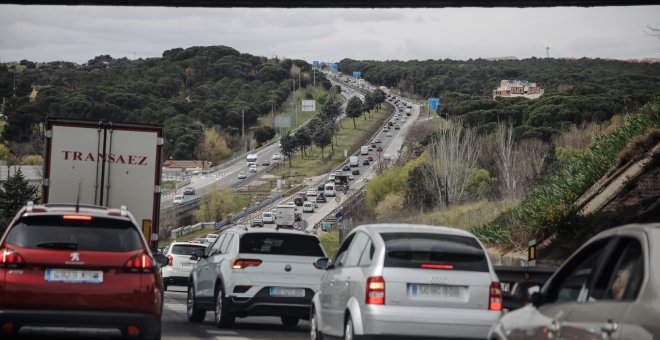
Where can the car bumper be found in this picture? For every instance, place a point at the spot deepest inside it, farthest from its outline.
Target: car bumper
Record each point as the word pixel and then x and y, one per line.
pixel 428 322
pixel 89 324
pixel 263 304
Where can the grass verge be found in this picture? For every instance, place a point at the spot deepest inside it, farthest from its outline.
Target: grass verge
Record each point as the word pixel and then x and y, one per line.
pixel 348 138
pixel 330 242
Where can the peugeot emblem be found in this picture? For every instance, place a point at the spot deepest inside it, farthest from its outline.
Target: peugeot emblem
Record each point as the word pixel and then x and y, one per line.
pixel 75 257
pixel 287 268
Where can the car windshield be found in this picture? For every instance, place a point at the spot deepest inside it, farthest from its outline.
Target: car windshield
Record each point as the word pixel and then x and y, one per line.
pixel 281 244
pixel 99 234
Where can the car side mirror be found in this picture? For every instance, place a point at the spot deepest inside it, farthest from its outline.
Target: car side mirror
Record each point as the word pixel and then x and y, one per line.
pixel 197 254
pixel 161 260
pixel 322 263
pixel 537 299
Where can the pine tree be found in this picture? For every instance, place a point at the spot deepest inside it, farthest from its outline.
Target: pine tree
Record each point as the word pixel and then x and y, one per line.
pixel 15 192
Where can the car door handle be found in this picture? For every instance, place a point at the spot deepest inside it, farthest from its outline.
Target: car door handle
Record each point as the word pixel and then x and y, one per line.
pixel 609 327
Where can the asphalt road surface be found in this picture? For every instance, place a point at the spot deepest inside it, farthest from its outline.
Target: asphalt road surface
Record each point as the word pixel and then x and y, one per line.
pixel 176 325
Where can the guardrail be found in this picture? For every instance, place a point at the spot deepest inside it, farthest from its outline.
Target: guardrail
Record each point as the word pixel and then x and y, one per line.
pixel 248 211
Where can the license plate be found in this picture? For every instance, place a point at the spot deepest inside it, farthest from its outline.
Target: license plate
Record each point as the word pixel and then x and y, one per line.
pixel 74 276
pixel 287 292
pixel 186 264
pixel 434 290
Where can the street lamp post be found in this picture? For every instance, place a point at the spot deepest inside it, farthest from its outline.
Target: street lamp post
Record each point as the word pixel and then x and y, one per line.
pixel 243 128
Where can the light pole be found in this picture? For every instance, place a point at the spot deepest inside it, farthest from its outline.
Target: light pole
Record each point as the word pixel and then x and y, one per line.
pixel 243 128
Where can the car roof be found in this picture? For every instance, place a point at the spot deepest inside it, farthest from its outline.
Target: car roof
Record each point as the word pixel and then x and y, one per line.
pixel 648 228
pixel 242 230
pixel 56 209
pixel 415 228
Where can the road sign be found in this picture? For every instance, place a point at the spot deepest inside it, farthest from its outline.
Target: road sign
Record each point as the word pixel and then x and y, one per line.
pixel 337 199
pixel 531 253
pixel 434 103
pixel 326 226
pixel 296 225
pixel 357 74
pixel 338 215
pixel 379 149
pixel 334 68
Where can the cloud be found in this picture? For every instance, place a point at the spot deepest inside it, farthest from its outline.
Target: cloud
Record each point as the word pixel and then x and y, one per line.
pixel 78 33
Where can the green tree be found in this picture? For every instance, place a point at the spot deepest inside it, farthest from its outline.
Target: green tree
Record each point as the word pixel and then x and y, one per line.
pixel 263 134
pixel 354 109
pixel 304 139
pixel 323 135
pixel 289 145
pixel 15 192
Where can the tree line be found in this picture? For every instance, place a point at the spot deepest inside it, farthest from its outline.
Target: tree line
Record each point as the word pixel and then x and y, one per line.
pixel 188 91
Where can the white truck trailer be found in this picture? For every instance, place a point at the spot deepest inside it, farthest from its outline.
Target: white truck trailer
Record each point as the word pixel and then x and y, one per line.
pixel 106 164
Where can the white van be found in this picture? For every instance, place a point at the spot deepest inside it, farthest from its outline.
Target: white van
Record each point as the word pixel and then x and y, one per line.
pixel 268 217
pixel 329 190
pixel 308 207
pixel 364 150
pixel 178 199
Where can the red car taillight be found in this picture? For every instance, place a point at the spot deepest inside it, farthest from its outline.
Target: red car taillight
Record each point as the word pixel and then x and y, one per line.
pixel 11 259
pixel 139 264
pixel 375 291
pixel 243 263
pixel 495 297
pixel 170 260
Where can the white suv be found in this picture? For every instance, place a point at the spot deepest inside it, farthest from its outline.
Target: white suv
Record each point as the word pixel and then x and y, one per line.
pixel 247 271
pixel 177 271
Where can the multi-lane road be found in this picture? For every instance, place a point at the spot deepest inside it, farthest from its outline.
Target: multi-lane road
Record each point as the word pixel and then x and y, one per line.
pixel 175 323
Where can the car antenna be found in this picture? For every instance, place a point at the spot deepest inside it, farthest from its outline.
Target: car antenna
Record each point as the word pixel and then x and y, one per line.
pixel 78 197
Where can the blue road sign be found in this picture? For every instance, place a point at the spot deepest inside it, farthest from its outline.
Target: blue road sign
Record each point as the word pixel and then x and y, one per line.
pixel 434 103
pixel 316 63
pixel 334 68
pixel 338 215
pixel 357 74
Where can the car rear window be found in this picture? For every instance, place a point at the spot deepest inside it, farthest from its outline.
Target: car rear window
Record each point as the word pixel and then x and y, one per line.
pixel 99 234
pixel 419 250
pixel 281 244
pixel 185 249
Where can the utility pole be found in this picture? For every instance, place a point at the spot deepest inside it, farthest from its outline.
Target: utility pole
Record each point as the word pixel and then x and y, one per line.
pixel 293 100
pixel 243 128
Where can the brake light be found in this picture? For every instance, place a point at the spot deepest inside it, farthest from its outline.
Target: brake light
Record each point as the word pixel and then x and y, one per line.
pixel 495 296
pixel 10 258
pixel 244 263
pixel 375 290
pixel 437 266
pixel 77 217
pixel 169 263
pixel 139 264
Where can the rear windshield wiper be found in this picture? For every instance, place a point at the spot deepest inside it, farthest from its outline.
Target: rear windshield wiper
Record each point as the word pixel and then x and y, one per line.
pixel 58 245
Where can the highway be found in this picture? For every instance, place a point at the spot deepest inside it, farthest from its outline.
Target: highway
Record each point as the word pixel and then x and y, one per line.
pixel 177 327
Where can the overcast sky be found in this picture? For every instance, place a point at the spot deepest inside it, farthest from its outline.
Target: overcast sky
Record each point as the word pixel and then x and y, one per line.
pixel 79 33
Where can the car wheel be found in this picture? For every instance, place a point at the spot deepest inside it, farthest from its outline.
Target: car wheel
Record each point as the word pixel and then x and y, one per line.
pixel 314 332
pixel 194 314
pixel 290 321
pixel 349 331
pixel 223 316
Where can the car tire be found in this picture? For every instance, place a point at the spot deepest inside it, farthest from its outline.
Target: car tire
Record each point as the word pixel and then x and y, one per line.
pixel 290 321
pixel 314 331
pixel 194 314
pixel 349 330
pixel 224 318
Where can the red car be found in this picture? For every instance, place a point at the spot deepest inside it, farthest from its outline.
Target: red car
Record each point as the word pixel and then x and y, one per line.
pixel 370 159
pixel 78 272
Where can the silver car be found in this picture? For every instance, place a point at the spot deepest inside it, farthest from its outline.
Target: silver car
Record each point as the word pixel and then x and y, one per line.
pixel 608 289
pixel 399 280
pixel 255 271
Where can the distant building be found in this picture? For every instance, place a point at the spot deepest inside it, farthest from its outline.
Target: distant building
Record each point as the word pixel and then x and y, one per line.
pixel 518 88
